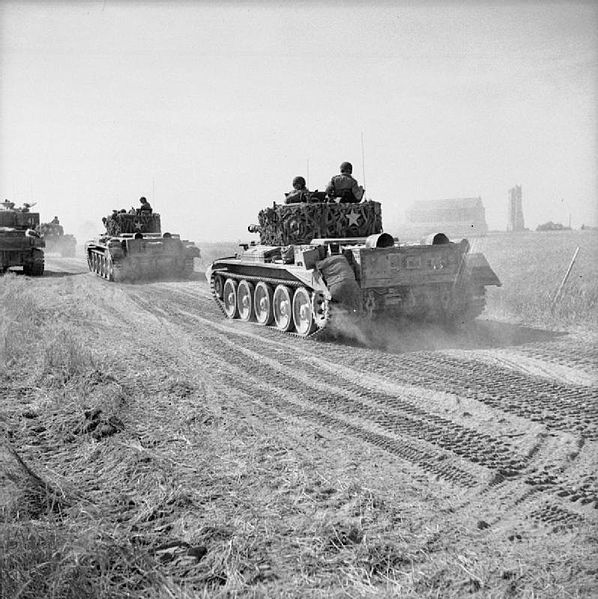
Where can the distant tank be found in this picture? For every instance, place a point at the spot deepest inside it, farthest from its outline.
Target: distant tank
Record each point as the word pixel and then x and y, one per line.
pixel 134 247
pixel 314 256
pixel 56 240
pixel 20 243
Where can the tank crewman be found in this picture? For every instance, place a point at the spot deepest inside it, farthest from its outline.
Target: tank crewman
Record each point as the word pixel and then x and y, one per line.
pixel 299 193
pixel 344 186
pixel 7 205
pixel 55 221
pixel 145 206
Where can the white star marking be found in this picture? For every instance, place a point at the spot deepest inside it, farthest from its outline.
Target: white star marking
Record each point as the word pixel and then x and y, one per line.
pixel 353 218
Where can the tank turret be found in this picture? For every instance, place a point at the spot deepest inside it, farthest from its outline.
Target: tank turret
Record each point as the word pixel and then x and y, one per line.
pixel 300 223
pixel 120 223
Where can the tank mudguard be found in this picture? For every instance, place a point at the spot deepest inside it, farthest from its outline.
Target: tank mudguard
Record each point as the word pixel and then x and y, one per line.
pixel 238 269
pixel 479 271
pixel 313 279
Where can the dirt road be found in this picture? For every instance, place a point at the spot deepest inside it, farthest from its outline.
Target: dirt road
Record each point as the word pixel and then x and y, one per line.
pixel 498 419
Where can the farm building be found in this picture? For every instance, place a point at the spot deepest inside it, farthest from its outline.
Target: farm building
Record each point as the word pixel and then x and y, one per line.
pixel 456 217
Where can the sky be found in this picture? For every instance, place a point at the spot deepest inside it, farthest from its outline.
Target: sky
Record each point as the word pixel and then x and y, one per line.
pixel 209 109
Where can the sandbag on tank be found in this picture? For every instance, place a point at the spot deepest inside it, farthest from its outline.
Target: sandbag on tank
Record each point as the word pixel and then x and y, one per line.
pixel 340 280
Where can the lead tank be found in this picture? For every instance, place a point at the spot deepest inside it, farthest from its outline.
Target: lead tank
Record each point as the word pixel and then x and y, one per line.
pixel 20 243
pixel 316 256
pixel 134 247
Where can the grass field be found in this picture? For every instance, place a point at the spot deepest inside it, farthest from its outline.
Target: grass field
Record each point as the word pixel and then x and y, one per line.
pixel 531 267
pixel 120 477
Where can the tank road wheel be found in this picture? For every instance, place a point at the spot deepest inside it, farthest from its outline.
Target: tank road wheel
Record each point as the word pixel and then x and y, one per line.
pixel 302 312
pixel 262 301
pixel 109 268
pixel 103 272
pixel 229 297
pixel 245 301
pixel 320 309
pixel 282 308
pixel 218 286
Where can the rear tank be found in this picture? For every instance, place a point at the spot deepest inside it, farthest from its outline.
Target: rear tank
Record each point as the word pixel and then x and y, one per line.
pixel 56 239
pixel 313 257
pixel 134 247
pixel 20 243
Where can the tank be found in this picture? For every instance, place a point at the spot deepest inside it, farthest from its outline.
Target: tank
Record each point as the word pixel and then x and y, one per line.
pixel 20 243
pixel 134 247
pixel 56 240
pixel 317 259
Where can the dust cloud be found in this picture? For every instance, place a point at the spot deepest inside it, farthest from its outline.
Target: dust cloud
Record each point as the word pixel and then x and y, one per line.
pixel 401 336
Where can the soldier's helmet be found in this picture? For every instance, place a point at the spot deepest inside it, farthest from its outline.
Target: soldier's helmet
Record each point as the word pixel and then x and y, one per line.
pixel 142 200
pixel 346 167
pixel 298 183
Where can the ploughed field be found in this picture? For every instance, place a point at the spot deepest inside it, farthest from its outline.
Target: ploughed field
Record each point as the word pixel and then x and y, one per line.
pixel 153 448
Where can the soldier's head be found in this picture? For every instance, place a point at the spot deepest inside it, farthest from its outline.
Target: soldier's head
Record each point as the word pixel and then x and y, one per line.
pixel 298 183
pixel 346 168
pixel 143 200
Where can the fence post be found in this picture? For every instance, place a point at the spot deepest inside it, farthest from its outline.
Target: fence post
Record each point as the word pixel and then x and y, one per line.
pixel 560 289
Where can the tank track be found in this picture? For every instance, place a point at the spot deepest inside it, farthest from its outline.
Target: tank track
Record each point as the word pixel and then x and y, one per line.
pixel 272 281
pixel 35 268
pixel 103 266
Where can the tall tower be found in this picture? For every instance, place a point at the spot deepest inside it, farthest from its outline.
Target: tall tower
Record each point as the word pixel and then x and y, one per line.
pixel 515 210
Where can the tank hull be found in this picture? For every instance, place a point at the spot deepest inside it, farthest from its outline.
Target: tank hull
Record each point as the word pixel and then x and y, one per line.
pixel 126 258
pixel 435 283
pixel 134 248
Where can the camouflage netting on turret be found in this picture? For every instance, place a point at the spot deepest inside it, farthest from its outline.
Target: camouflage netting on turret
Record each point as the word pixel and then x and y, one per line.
pixel 117 224
pixel 300 223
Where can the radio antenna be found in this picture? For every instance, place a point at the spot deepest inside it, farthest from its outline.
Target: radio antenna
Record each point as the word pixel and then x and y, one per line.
pixel 363 160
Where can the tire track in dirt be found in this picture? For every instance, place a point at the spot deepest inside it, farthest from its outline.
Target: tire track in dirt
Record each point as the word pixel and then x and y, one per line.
pixel 294 397
pixel 415 422
pixel 584 354
pixel 558 406
pixel 495 455
pixel 369 414
pixel 572 408
pixel 238 377
pixel 518 361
